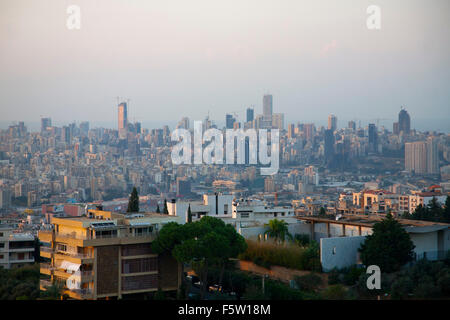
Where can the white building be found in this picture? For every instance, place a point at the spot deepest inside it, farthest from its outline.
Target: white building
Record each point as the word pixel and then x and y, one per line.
pixel 16 249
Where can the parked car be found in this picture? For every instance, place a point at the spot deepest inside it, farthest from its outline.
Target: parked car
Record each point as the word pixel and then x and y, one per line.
pixel 215 288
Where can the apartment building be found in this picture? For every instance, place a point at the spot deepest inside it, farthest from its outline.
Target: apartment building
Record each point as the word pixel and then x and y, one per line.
pixel 16 249
pixel 106 255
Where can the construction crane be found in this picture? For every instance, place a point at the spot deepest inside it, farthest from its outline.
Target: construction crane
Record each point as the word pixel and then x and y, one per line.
pixel 380 119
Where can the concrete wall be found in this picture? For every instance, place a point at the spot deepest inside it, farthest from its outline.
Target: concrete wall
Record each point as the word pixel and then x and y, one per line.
pixel 339 252
pixel 254 232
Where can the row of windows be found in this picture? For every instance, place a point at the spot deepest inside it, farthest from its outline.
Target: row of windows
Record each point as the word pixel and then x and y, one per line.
pixel 140 282
pixel 136 249
pixel 139 265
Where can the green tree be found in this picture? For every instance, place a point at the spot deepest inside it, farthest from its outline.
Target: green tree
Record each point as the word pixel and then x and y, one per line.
pixel 170 236
pixel 205 243
pixel 165 210
pixel 133 202
pixel 322 212
pixel 446 211
pixel 389 246
pixel 189 213
pixel 278 230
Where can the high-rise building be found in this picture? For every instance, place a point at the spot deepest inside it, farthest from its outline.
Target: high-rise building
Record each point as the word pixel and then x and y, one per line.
pixel 332 122
pixel 404 121
pixel 267 106
pixel 229 120
pixel 291 129
pixel 329 145
pixel 66 135
pixel 373 138
pixel 432 156
pixel 184 123
pixel 45 123
pixel 84 128
pixel 250 114
pixel 309 130
pixel 416 157
pixel 352 125
pixel 123 120
pixel 278 121
pixel 395 128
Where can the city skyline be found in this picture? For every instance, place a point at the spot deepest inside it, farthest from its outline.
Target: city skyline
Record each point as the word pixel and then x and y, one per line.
pixel 311 70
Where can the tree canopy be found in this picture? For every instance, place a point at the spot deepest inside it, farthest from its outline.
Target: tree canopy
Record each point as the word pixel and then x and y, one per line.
pixel 133 202
pixel 433 211
pixel 389 246
pixel 207 242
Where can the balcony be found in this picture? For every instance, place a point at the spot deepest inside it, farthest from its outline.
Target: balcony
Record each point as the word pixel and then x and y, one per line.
pixel 83 276
pixel 74 255
pixel 46 268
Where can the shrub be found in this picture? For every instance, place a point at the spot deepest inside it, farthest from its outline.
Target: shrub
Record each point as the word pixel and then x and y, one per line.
pixel 333 277
pixel 309 282
pixel 426 289
pixel 401 288
pixel 335 292
pixel 289 255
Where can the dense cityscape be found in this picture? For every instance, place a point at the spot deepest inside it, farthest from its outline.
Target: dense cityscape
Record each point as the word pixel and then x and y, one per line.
pixel 337 180
pixel 214 159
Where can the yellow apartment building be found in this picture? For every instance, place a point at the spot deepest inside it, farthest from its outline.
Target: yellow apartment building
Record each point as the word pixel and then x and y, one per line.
pixel 107 255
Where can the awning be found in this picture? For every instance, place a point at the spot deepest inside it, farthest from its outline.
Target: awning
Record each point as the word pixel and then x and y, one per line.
pixel 69 266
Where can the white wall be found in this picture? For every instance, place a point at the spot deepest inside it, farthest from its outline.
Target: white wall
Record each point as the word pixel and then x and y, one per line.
pixel 339 252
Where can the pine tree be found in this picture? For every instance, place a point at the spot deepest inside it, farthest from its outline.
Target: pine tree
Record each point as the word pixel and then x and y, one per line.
pixel 389 246
pixel 133 202
pixel 189 214
pixel 165 210
pixel 157 209
pixel 446 211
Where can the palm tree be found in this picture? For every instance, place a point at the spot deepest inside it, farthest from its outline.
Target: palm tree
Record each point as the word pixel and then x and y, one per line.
pixel 278 230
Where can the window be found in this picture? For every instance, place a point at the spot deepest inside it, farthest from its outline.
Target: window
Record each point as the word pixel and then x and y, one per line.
pixel 61 247
pixel 225 208
pixel 2 244
pixel 334 250
pixel 1 256
pixel 139 265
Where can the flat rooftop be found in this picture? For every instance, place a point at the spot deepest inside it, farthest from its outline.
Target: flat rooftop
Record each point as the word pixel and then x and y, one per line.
pixel 369 221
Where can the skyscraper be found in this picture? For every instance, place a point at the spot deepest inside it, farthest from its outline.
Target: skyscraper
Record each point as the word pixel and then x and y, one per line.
pixel 278 121
pixel 404 121
pixel 84 128
pixel 329 145
pixel 332 122
pixel 291 128
pixel 267 106
pixel 123 120
pixel 352 125
pixel 373 138
pixel 229 121
pixel 416 157
pixel 45 122
pixel 250 114
pixel 432 156
pixel 66 135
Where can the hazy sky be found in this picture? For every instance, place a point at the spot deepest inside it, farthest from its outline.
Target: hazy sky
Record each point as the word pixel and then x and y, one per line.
pixel 188 57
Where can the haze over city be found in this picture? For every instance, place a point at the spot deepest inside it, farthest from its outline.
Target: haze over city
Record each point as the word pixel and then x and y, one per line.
pixel 190 58
pixel 238 151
